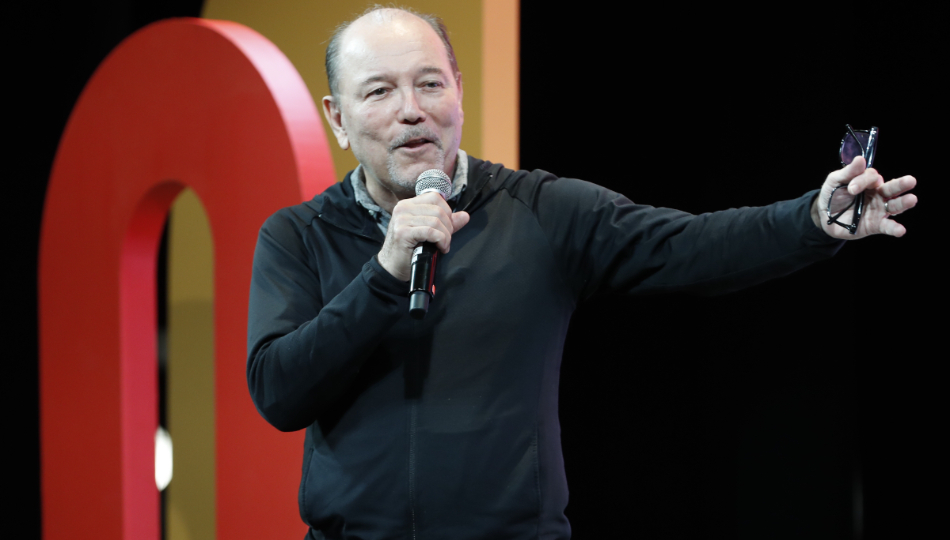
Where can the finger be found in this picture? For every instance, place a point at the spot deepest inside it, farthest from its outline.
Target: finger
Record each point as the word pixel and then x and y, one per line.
pixel 901 204
pixel 869 179
pixel 427 218
pixel 433 198
pixel 412 229
pixel 425 205
pixel 849 171
pixel 892 228
pixel 436 206
pixel 457 220
pixel 897 186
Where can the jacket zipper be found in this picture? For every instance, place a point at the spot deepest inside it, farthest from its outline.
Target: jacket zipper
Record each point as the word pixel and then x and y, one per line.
pixel 413 414
pixel 413 406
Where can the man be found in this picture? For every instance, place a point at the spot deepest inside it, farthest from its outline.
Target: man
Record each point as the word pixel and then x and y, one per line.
pixel 447 427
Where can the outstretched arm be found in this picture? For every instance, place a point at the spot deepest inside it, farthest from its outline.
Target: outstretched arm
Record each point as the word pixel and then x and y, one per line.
pixel 881 201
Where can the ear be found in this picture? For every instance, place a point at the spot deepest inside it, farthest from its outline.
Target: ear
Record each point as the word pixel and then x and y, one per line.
pixel 334 116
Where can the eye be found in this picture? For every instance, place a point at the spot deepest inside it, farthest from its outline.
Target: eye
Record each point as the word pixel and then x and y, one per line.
pixel 381 91
pixel 432 85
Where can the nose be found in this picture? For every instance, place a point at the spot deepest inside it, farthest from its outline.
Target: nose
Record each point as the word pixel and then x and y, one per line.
pixel 410 112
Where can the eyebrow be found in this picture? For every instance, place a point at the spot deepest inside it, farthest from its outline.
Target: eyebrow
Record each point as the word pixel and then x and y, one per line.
pixel 373 79
pixel 431 69
pixel 382 78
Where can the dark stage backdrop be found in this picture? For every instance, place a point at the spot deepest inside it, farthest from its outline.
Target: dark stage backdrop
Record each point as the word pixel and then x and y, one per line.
pixel 753 415
pixel 773 412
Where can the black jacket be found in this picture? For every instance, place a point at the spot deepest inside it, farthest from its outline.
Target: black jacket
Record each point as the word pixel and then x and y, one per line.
pixel 447 428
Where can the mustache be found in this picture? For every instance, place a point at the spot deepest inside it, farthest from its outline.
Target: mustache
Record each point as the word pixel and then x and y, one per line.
pixel 415 132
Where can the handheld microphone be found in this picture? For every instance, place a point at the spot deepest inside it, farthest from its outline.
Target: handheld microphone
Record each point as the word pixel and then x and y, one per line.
pixel 424 257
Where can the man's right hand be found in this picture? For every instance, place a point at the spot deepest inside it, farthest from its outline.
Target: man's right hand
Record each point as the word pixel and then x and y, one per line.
pixel 426 218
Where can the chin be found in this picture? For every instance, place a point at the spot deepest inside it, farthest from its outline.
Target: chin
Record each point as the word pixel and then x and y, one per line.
pixel 406 176
pixel 403 182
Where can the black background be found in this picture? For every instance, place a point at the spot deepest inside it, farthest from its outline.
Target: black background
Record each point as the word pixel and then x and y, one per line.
pixel 755 415
pixel 759 414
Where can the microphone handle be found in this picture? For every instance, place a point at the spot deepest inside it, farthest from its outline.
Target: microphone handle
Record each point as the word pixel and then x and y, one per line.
pixel 422 279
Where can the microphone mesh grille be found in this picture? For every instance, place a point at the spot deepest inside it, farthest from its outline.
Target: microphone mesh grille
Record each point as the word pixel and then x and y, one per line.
pixel 434 180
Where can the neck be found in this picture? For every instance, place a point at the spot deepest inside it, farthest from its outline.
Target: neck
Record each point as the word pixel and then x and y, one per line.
pixel 381 195
pixel 386 197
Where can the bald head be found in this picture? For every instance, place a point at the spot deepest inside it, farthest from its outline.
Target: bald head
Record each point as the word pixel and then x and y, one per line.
pixel 381 16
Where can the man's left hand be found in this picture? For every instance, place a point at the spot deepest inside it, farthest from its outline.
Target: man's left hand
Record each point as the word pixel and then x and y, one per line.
pixel 882 200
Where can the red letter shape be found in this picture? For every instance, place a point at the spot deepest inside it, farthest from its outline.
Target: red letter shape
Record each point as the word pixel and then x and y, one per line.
pixel 206 104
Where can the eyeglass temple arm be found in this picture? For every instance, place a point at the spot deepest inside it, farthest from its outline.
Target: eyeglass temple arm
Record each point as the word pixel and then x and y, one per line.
pixel 867 152
pixel 869 158
pixel 872 146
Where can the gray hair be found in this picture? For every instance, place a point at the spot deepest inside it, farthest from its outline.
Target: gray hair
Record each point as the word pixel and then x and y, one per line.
pixel 333 48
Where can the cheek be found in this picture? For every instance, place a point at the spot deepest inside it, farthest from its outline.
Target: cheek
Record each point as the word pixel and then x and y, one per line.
pixel 372 124
pixel 458 118
pixel 449 114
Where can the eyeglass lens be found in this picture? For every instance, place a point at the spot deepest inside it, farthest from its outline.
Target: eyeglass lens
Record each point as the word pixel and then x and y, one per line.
pixel 851 148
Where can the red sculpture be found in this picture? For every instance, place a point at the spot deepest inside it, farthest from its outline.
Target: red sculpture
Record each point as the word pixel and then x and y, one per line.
pixel 216 107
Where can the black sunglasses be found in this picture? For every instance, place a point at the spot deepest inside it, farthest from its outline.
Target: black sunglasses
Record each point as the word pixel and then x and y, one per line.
pixel 854 143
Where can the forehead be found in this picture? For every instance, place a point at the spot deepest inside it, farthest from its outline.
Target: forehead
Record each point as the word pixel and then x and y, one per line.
pixel 390 45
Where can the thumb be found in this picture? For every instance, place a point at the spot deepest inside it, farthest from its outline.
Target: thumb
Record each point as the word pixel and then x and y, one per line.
pixel 459 219
pixel 851 171
pixel 845 174
pixel 856 166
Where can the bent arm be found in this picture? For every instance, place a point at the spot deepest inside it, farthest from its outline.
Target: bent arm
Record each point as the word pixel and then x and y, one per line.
pixel 303 353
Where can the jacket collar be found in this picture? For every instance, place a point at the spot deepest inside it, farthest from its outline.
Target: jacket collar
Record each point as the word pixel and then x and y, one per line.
pixel 484 180
pixel 337 205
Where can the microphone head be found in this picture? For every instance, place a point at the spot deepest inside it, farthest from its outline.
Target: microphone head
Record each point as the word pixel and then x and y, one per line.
pixel 434 180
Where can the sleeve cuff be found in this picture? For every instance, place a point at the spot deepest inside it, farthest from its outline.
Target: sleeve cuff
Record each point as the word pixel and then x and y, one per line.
pixel 811 234
pixel 378 278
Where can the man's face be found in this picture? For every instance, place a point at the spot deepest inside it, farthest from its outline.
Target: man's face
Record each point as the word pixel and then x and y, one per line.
pixel 399 106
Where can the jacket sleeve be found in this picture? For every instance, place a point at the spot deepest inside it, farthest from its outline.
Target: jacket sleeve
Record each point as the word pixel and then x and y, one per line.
pixel 609 244
pixel 303 352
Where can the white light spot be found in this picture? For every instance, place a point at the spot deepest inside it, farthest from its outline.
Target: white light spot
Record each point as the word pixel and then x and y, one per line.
pixel 163 458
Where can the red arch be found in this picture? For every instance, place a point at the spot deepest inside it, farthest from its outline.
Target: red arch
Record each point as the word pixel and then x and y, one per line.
pixel 187 102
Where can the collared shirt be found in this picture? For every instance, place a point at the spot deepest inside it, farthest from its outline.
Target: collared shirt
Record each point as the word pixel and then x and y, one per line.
pixel 382 217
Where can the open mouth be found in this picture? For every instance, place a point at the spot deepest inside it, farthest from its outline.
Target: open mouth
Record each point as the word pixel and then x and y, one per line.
pixel 415 143
pixel 415 138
